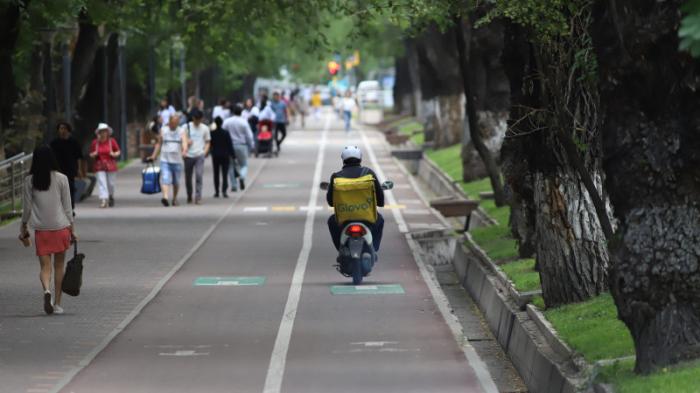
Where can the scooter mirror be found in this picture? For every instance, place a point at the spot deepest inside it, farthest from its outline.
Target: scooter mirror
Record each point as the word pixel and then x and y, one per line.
pixel 324 185
pixel 388 185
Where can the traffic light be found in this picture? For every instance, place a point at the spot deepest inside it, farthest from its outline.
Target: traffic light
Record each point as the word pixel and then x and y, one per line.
pixel 333 67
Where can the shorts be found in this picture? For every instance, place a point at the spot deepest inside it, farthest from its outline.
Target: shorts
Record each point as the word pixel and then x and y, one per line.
pixel 51 242
pixel 170 173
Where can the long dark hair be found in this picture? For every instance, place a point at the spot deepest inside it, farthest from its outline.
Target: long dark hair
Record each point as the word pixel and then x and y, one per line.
pixel 43 162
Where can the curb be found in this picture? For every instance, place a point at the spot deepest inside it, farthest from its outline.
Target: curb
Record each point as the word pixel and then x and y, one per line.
pixel 543 368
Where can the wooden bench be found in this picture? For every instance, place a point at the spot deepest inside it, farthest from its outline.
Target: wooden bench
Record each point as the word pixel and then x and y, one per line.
pixel 397 139
pixel 455 207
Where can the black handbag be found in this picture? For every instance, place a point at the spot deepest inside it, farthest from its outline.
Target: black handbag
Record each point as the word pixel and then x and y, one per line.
pixel 73 277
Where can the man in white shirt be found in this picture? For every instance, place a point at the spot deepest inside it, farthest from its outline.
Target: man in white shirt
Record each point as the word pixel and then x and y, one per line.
pixel 199 139
pixel 166 110
pixel 243 143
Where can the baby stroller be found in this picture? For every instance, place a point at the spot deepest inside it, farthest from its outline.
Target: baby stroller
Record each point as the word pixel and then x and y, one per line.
pixel 264 138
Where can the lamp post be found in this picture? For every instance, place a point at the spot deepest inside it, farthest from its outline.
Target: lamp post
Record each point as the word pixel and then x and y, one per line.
pixel 121 64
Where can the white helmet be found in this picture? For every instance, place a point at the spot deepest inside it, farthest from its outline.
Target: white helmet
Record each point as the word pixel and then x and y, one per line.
pixel 351 152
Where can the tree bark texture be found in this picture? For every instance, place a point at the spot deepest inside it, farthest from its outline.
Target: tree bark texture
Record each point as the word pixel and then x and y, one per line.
pixel 492 91
pixel 403 90
pixel 442 106
pixel 470 109
pixel 83 59
pixel 414 75
pixel 570 245
pixel 652 163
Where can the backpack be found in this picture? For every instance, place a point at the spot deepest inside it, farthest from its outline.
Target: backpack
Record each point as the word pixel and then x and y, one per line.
pixel 354 199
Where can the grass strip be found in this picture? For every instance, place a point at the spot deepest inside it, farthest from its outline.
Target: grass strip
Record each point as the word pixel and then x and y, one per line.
pixel 592 328
pixel 523 274
pixel 682 378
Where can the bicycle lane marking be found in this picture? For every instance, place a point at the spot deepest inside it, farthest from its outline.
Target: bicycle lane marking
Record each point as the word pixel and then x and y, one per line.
pixel 278 360
pixel 87 359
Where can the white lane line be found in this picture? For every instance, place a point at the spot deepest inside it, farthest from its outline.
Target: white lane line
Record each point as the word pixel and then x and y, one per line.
pixel 278 360
pixel 478 365
pixel 389 195
pixel 87 359
pixel 251 209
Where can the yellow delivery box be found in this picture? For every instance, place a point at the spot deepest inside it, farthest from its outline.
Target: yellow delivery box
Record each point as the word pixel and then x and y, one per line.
pixel 355 199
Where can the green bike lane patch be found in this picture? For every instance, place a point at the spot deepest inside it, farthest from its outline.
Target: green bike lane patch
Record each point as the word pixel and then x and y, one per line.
pixel 229 281
pixel 383 289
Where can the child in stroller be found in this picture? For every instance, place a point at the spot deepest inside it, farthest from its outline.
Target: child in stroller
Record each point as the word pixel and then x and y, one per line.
pixel 264 138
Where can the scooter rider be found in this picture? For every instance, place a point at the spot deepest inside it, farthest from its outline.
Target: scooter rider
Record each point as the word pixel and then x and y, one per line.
pixel 352 168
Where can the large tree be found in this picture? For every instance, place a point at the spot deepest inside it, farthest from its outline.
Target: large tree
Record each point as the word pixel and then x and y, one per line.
pixel 649 101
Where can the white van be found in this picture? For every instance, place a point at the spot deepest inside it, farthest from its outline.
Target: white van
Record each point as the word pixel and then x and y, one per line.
pixel 368 92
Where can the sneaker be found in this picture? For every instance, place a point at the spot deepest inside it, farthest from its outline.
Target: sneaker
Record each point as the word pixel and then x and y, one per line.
pixel 111 201
pixel 189 200
pixel 197 201
pixel 242 184
pixel 164 202
pixel 225 195
pixel 57 309
pixel 217 195
pixel 175 202
pixel 234 190
pixel 48 308
pixel 103 204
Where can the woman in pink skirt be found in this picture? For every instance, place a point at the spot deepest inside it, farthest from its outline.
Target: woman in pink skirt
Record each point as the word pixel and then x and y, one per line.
pixel 46 201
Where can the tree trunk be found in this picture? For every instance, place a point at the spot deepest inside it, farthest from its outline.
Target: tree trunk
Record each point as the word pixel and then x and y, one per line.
pixel 547 194
pixel 491 88
pixel 9 32
pixel 403 90
pixel 652 161
pixel 414 74
pixel 83 61
pixel 470 109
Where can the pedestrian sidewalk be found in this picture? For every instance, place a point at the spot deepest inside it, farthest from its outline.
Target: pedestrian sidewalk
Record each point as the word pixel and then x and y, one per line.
pixel 129 249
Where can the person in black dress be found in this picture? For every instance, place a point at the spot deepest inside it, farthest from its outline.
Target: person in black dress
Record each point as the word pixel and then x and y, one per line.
pixel 221 149
pixel 68 154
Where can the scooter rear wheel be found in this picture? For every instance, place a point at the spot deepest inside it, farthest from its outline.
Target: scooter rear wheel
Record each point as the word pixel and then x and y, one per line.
pixel 357 272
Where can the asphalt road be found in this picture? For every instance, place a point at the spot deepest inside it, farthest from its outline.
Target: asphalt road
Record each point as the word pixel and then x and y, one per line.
pixel 249 306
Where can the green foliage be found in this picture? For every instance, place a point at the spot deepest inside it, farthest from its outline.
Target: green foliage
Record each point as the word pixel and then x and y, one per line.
pixel 689 31
pixel 547 19
pixel 592 328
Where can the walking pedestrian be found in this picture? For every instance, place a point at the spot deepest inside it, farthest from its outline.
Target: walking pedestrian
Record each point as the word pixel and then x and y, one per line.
pixel 222 110
pixel 221 152
pixel 281 119
pixel 251 113
pixel 316 103
pixel 47 208
pixel 69 156
pixel 104 150
pixel 165 111
pixel 172 145
pixel 243 143
pixel 199 138
pixel 348 104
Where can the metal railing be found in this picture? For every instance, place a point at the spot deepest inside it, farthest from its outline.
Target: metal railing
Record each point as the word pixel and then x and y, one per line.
pixel 12 173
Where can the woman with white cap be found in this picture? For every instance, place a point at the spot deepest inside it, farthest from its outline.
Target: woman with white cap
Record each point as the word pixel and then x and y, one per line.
pixel 104 150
